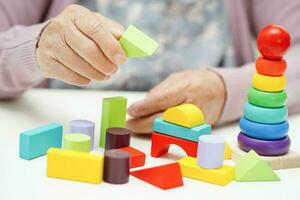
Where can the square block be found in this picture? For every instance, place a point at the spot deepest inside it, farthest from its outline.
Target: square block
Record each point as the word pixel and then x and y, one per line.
pixel 36 142
pixel 136 43
pixel 137 158
pixel 74 165
pixel 191 134
pixel 190 169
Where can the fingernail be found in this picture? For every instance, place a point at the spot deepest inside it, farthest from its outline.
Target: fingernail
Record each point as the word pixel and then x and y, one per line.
pixel 132 108
pixel 119 58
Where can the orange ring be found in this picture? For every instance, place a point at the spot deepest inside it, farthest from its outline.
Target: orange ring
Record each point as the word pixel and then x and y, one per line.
pixel 270 67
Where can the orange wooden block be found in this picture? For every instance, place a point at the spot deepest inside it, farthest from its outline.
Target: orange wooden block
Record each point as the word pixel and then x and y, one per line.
pixel 270 67
pixel 164 176
pixel 161 144
pixel 137 158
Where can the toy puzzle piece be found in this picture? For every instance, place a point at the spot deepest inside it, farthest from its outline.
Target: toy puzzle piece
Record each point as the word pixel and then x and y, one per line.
pixel 164 176
pixel 74 165
pixel 220 176
pixel 136 43
pixel 161 144
pixel 36 142
pixel 137 158
pixel 254 168
pixel 187 115
pixel 191 134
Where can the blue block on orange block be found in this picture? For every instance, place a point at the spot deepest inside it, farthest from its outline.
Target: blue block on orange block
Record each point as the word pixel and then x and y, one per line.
pixel 191 134
pixel 36 142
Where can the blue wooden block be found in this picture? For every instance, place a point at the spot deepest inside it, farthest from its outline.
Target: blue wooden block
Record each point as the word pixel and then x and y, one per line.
pixel 191 134
pixel 36 142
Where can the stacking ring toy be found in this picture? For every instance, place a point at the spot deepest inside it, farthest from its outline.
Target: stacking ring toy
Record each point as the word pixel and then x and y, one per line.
pixel 264 131
pixel 267 99
pixel 264 147
pixel 265 115
pixel 268 83
pixel 270 67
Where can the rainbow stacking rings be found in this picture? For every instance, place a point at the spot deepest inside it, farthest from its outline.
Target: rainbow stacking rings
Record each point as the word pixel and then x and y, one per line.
pixel 267 99
pixel 268 83
pixel 265 115
pixel 264 147
pixel 264 131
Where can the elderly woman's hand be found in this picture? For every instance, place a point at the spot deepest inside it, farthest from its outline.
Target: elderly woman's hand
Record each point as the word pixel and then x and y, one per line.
pixel 78 46
pixel 203 88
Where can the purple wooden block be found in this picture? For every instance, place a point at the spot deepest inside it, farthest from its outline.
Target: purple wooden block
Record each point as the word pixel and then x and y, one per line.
pixel 117 138
pixel 84 127
pixel 210 153
pixel 116 166
pixel 264 147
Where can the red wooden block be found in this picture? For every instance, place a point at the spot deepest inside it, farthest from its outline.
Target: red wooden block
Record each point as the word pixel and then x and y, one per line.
pixel 161 144
pixel 137 158
pixel 164 176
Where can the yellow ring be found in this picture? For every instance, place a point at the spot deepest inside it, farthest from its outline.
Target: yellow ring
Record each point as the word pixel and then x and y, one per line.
pixel 268 83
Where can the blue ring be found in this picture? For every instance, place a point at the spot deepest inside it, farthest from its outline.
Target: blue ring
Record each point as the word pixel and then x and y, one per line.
pixel 264 131
pixel 265 115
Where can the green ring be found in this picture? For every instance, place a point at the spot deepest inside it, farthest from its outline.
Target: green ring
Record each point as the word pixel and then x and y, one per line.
pixel 267 99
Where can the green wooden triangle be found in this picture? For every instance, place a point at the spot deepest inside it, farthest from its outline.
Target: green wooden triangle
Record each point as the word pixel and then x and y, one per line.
pixel 253 168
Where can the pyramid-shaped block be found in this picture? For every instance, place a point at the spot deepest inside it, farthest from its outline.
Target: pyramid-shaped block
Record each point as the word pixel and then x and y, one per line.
pixel 137 158
pixel 253 168
pixel 164 176
pixel 136 43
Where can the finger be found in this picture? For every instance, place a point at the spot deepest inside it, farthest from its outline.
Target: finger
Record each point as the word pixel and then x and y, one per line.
pixel 89 51
pixel 142 125
pixel 97 30
pixel 74 62
pixel 156 102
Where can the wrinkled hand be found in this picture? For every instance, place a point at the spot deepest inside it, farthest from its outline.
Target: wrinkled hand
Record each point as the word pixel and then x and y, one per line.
pixel 203 88
pixel 78 46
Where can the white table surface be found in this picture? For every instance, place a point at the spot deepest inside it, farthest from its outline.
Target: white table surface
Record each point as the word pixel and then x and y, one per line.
pixel 21 179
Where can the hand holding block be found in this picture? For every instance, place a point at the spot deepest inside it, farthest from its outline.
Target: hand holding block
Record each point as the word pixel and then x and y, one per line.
pixel 137 158
pixel 77 142
pixel 187 115
pixel 137 44
pixel 253 168
pixel 117 138
pixel 190 169
pixel 268 83
pixel 84 127
pixel 36 142
pixel 74 165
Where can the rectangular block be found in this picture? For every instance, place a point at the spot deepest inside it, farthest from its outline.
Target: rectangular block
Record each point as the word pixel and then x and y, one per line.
pixel 113 115
pixel 36 142
pixel 137 158
pixel 191 134
pixel 74 165
pixel 190 169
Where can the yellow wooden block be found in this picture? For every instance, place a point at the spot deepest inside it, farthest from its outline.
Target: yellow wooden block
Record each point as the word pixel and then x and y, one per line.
pixel 187 115
pixel 227 152
pixel 268 83
pixel 190 169
pixel 74 165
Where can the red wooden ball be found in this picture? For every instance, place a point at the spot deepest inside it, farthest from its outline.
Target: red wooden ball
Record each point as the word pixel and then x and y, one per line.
pixel 273 41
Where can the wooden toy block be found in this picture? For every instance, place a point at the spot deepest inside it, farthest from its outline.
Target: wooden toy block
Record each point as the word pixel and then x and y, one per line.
pixel 137 158
pixel 287 161
pixel 116 166
pixel 265 115
pixel 136 43
pixel 267 99
pixel 191 134
pixel 270 67
pixel 227 152
pixel 164 177
pixel 113 115
pixel 187 115
pixel 84 127
pixel 253 168
pixel 210 153
pixel 190 169
pixel 117 138
pixel 74 165
pixel 268 83
pixel 36 142
pixel 161 144
pixel 77 142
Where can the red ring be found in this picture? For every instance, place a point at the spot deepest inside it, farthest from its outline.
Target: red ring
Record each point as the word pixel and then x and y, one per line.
pixel 270 67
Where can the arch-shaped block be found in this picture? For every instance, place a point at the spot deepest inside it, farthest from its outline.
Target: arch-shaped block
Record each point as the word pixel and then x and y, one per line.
pixel 187 115
pixel 161 144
